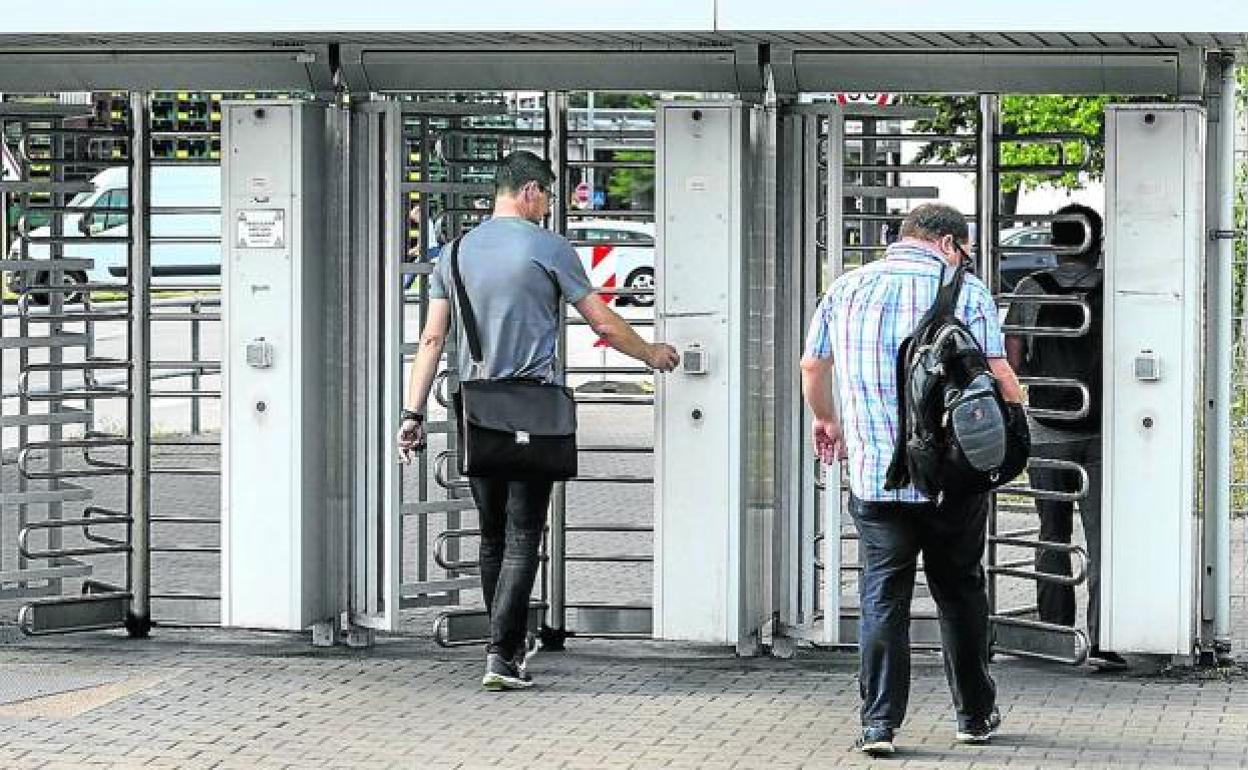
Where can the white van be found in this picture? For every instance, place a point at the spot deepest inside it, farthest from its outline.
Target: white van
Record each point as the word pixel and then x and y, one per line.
pixel 191 258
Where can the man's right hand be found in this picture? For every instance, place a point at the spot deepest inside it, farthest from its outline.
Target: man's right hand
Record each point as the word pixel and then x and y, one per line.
pixel 662 357
pixel 411 439
pixel 829 441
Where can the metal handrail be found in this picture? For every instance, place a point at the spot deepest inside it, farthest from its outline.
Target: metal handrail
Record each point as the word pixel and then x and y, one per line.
pixel 440 383
pixel 439 544
pixel 441 465
pixel 24 457
pixel 1082 646
pixel 1085 395
pixel 105 513
pixel 113 546
pixel 1079 569
pixel 1047 299
pixel 1051 494
pixel 89 460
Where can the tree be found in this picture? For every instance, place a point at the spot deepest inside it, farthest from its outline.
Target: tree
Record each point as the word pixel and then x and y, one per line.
pixel 1029 115
pixel 628 187
pixel 612 100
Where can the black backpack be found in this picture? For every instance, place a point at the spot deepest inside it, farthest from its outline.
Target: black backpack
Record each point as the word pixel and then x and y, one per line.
pixel 956 435
pixel 1068 357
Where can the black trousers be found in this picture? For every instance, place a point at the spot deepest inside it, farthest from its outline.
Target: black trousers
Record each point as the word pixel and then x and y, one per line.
pixel 512 515
pixel 951 538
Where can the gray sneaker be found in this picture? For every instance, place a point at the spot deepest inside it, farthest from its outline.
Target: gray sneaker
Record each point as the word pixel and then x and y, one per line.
pixel 876 741
pixel 980 730
pixel 523 655
pixel 522 664
pixel 502 674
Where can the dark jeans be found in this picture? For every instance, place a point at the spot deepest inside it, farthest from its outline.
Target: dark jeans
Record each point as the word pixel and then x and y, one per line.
pixel 1057 602
pixel 951 538
pixel 513 515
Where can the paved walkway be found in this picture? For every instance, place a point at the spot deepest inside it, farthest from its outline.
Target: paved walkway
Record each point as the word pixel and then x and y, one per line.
pixel 199 699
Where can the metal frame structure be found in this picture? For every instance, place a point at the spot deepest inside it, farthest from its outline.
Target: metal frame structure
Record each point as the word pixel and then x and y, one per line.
pixel 736 62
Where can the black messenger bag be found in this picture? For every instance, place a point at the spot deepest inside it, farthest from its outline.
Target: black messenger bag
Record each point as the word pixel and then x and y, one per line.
pixel 514 429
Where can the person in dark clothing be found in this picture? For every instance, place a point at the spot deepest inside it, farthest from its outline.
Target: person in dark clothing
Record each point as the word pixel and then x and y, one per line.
pixel 1063 427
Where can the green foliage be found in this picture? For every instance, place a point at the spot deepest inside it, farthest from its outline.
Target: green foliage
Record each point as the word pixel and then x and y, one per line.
pixel 1084 115
pixel 1029 115
pixel 610 100
pixel 626 185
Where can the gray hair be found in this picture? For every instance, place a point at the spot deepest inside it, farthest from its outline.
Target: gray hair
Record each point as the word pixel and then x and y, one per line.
pixel 518 169
pixel 933 221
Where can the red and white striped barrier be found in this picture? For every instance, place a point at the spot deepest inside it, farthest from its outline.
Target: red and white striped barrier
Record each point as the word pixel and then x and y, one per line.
pixel 602 275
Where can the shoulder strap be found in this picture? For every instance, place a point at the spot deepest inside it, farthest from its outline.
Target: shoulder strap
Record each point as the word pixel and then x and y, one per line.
pixel 946 300
pixel 898 473
pixel 947 297
pixel 468 317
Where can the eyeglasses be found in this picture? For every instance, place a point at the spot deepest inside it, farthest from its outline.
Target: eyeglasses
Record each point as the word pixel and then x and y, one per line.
pixel 550 193
pixel 967 262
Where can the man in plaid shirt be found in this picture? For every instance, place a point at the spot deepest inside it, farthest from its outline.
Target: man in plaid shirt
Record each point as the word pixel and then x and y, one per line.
pixel 858 328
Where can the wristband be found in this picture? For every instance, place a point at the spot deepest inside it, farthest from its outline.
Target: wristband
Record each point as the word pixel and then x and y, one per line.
pixel 408 414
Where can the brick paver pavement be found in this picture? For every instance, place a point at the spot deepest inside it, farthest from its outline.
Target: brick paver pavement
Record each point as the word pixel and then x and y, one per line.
pixel 199 699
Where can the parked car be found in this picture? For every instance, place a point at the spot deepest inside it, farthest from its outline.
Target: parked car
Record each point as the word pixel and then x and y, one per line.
pixel 90 234
pixel 1016 263
pixel 631 245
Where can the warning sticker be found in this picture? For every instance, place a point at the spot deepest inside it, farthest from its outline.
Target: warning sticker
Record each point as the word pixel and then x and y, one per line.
pixel 262 229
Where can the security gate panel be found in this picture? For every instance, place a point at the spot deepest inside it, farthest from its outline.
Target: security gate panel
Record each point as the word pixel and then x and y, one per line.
pixel 1153 363
pixel 707 543
pixel 273 496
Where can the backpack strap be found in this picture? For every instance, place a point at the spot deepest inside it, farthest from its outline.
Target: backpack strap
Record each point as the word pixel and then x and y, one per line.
pixel 946 299
pixel 947 296
pixel 898 474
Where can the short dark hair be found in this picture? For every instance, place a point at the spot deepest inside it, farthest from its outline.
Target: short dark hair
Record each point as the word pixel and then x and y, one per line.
pixel 933 221
pixel 1070 232
pixel 518 169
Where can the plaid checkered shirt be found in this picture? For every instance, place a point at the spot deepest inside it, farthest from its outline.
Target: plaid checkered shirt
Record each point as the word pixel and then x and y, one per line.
pixel 860 324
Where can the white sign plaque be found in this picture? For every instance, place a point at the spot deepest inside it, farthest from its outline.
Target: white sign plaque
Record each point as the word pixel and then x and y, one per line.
pixel 262 229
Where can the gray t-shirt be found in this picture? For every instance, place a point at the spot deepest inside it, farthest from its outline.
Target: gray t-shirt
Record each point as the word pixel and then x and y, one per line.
pixel 517 276
pixel 1070 275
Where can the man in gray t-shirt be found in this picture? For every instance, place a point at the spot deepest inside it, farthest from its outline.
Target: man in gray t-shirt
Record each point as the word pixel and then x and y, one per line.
pixel 518 277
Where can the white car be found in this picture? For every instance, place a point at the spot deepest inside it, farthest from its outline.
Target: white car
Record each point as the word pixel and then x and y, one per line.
pixel 191 256
pixel 630 246
pixel 1023 253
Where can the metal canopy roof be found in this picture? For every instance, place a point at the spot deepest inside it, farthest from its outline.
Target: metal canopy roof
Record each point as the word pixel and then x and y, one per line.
pixel 1063 62
pixel 644 40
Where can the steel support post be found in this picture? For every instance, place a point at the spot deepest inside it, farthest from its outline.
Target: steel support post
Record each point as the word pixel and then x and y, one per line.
pixel 139 619
pixel 553 636
pixel 986 235
pixel 1218 504
pixel 338 386
pixel 987 224
pixel 833 234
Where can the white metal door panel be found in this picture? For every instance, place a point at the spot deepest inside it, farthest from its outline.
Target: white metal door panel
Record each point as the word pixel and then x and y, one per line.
pixel 1153 302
